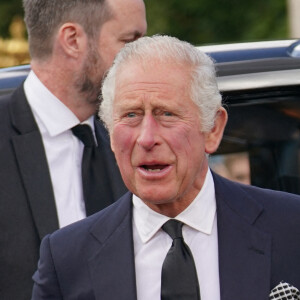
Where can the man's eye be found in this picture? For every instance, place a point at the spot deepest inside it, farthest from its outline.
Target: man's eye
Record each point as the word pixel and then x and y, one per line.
pixel 129 41
pixel 126 41
pixel 167 113
pixel 131 115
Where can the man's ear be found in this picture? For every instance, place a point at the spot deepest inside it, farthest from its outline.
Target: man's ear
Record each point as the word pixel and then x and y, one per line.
pixel 112 146
pixel 214 137
pixel 72 39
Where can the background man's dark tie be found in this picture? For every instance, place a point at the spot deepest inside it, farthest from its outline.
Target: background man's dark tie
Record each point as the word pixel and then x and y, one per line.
pixel 179 279
pixel 95 183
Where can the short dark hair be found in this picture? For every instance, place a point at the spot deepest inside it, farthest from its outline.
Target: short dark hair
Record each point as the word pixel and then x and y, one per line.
pixel 44 17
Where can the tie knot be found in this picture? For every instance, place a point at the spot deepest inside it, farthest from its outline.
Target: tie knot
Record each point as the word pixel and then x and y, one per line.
pixel 173 228
pixel 85 134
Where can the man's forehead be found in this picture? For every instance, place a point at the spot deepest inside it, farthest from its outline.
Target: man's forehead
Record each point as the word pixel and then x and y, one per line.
pixel 151 69
pixel 162 83
pixel 145 90
pixel 147 102
pixel 155 91
pixel 132 6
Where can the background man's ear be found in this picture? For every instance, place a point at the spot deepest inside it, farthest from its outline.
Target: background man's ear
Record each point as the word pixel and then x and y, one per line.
pixel 214 137
pixel 72 39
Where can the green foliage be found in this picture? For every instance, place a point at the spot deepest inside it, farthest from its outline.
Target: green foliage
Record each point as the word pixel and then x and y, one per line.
pixel 218 21
pixel 8 10
pixel 199 21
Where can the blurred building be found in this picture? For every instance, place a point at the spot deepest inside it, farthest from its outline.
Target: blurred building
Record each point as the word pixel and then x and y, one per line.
pixel 14 51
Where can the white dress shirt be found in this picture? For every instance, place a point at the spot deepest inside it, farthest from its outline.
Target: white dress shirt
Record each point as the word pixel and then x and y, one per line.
pixel 151 243
pixel 63 150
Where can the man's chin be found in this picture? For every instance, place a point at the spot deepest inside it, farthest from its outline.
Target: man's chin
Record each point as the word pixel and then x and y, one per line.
pixel 156 200
pixel 152 193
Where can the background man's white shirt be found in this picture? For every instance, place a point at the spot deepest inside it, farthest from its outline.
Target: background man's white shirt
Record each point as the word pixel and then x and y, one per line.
pixel 63 150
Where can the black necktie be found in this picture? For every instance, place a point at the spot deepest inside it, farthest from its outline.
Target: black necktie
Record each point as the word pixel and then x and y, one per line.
pixel 179 279
pixel 95 182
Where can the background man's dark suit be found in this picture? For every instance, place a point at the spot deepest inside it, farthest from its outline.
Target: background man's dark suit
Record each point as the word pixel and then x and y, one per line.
pixel 258 248
pixel 27 203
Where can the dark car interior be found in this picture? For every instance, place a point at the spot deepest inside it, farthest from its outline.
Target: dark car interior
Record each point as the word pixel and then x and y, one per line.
pixel 265 124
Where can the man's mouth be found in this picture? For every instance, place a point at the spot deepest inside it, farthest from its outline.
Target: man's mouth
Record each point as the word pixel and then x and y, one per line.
pixel 154 171
pixel 154 168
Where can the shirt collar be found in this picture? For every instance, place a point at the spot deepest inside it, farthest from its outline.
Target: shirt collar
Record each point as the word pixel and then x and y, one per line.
pixel 198 215
pixel 55 116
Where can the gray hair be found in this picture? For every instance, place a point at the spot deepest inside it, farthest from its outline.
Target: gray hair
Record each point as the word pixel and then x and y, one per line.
pixel 44 17
pixel 203 88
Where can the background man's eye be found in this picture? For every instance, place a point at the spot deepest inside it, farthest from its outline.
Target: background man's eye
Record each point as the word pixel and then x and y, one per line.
pixel 167 113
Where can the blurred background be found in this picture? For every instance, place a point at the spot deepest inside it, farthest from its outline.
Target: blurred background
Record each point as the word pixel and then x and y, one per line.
pixel 200 22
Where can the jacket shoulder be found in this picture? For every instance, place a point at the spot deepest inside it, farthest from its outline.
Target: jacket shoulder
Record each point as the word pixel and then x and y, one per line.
pixel 99 224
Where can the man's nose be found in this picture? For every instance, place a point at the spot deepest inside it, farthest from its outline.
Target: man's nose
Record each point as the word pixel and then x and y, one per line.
pixel 148 133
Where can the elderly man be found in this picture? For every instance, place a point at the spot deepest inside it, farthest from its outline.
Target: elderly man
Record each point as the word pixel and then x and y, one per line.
pixel 43 147
pixel 181 232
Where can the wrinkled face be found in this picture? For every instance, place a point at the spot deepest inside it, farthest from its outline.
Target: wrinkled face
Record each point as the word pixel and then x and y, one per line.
pixel 128 23
pixel 157 137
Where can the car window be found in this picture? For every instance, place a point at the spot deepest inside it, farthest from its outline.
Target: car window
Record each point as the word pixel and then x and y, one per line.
pixel 264 130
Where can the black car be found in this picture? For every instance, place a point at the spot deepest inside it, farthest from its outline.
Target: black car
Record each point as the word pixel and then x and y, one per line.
pixel 260 86
pixel 12 77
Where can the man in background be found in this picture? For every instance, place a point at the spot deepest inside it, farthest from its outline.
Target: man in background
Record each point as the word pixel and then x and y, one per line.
pixel 182 232
pixel 43 150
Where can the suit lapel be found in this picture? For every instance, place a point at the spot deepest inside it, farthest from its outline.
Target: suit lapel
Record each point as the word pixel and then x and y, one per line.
pixel 112 266
pixel 32 163
pixel 244 251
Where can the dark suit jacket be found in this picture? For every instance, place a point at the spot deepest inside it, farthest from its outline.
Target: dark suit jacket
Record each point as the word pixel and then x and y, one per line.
pixel 259 246
pixel 27 203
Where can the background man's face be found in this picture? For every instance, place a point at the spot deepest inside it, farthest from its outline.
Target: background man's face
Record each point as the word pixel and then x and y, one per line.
pixel 157 136
pixel 128 23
